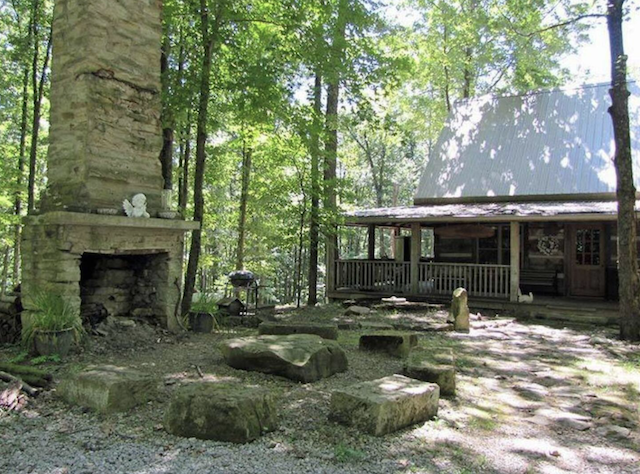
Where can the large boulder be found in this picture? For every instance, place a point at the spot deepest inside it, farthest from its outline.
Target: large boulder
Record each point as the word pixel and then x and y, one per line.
pixel 324 330
pixel 300 357
pixel 436 367
pixel 108 388
pixel 221 412
pixel 385 405
pixel 395 344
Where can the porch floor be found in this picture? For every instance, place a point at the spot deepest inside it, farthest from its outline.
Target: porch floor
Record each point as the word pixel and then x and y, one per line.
pixel 556 308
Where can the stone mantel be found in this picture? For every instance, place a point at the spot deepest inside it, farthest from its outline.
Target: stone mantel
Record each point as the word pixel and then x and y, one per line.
pixel 96 220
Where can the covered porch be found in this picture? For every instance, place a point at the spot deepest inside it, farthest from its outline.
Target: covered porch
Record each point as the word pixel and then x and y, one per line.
pixel 498 251
pixel 407 265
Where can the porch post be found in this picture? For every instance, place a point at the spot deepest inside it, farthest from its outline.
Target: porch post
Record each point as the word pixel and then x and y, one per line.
pixel 371 250
pixel 515 261
pixel 416 238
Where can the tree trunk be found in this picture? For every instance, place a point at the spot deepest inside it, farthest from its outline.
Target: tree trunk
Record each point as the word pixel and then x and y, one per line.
pixel 38 92
pixel 331 141
pixel 19 181
pixel 185 139
pixel 244 197
pixel 209 40
pixel 5 272
pixel 447 95
pixel 315 191
pixel 629 286
pixel 185 158
pixel 303 217
pixel 468 76
pixel 166 154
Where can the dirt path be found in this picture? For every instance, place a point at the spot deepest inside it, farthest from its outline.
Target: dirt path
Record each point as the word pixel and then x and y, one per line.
pixel 530 399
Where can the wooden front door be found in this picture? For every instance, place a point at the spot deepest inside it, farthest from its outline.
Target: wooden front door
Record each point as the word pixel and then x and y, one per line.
pixel 586 257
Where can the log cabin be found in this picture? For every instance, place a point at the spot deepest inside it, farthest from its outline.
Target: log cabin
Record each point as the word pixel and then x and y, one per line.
pixel 517 198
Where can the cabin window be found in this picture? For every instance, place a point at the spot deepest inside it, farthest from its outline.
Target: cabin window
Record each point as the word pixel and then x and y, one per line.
pixel 588 247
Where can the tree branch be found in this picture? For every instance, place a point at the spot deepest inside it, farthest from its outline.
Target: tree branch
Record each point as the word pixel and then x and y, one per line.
pixel 562 24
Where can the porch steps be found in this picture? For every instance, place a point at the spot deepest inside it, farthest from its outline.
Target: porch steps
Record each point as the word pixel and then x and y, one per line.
pixel 575 315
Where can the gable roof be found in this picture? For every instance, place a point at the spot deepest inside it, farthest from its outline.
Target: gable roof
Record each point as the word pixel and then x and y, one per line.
pixel 553 144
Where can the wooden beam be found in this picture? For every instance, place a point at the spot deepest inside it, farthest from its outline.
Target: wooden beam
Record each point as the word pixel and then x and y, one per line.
pixel 416 239
pixel 371 250
pixel 514 261
pixel 390 221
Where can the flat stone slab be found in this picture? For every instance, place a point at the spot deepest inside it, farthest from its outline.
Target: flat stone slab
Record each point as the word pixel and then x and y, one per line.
pixel 324 330
pixel 397 345
pixel 300 357
pixel 385 405
pixel 436 367
pixel 393 300
pixel 357 310
pixel 221 412
pixel 108 388
pixel 376 326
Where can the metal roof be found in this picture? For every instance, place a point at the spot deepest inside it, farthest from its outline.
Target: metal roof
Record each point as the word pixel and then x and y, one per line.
pixel 549 143
pixel 488 212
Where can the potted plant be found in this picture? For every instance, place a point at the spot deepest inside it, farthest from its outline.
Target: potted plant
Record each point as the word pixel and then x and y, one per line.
pixel 54 325
pixel 202 316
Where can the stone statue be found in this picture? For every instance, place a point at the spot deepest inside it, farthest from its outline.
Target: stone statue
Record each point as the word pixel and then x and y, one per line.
pixel 137 207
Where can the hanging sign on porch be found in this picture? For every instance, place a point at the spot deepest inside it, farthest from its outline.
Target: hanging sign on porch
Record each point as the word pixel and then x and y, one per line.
pixel 465 232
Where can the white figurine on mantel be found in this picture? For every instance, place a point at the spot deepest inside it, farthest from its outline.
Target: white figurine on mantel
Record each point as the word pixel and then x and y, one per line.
pixel 137 207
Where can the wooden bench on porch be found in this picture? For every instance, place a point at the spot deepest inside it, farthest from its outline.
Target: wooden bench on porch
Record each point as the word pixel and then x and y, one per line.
pixel 533 279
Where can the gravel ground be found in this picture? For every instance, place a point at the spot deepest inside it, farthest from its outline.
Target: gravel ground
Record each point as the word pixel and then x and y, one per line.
pixel 531 399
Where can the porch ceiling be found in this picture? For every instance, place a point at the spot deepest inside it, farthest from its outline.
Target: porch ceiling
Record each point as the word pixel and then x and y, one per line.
pixel 489 212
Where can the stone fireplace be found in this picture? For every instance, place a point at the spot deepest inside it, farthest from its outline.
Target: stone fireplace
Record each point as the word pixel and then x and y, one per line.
pixel 105 141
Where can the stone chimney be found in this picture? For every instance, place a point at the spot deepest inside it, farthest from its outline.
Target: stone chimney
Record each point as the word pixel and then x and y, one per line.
pixel 105 142
pixel 105 136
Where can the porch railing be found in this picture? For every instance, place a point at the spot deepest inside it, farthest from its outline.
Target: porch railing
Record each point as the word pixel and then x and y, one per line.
pixel 490 281
pixel 370 275
pixel 487 280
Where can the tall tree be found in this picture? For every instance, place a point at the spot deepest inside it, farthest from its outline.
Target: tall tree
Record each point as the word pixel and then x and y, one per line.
pixel 166 154
pixel 629 287
pixel 38 82
pixel 247 153
pixel 314 220
pixel 210 33
pixel 334 76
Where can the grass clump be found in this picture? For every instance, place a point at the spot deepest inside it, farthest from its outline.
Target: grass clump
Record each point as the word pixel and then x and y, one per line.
pixel 344 454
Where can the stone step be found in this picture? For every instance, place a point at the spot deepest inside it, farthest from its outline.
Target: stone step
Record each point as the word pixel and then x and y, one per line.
pixel 300 357
pixel 221 412
pixel 394 344
pixel 108 388
pixel 436 366
pixel 324 330
pixel 385 405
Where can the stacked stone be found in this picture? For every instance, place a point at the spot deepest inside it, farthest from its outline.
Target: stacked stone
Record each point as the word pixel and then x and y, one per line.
pixel 105 135
pixel 54 245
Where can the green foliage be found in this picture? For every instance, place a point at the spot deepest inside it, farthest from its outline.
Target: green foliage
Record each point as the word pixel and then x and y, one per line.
pixel 45 358
pixel 205 304
pixel 24 355
pixel 20 357
pixel 346 454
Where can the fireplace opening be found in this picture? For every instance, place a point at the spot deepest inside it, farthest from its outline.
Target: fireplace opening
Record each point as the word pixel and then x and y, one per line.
pixel 122 286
